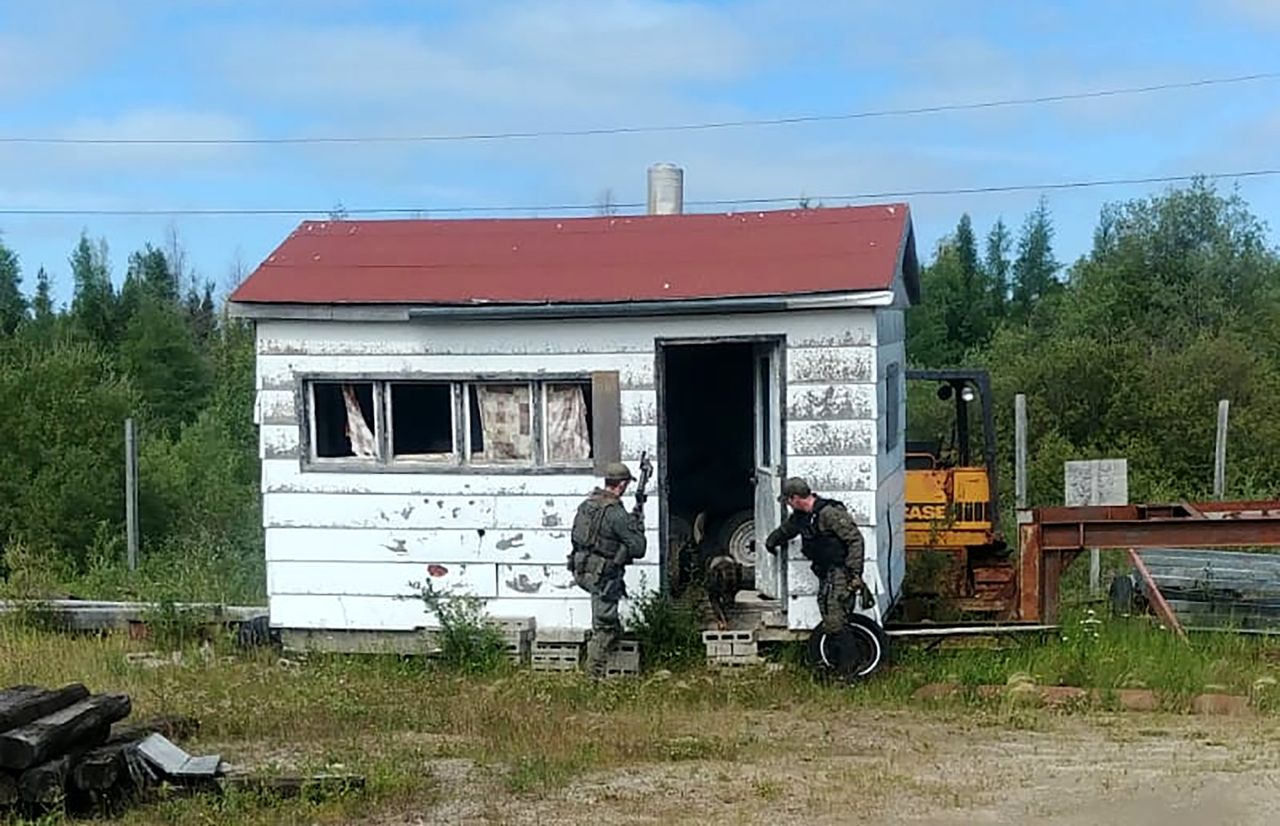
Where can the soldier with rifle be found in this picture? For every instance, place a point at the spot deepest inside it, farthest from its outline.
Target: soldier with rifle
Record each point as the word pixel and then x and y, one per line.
pixel 606 538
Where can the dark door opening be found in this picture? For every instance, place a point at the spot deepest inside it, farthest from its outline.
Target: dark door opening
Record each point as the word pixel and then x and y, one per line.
pixel 710 452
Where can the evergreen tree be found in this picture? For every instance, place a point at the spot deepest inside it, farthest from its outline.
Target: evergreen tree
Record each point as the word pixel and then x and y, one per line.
pixel 42 303
pixel 93 305
pixel 997 266
pixel 13 305
pixel 1035 269
pixel 161 355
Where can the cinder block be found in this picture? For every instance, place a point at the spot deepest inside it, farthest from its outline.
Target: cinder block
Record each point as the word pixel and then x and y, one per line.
pixel 561 635
pixel 719 649
pixel 744 649
pixel 728 636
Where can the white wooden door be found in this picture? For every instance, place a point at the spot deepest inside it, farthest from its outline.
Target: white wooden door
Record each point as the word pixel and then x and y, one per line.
pixel 770 570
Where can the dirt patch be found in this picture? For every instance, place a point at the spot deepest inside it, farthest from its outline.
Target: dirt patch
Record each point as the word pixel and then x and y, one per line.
pixel 926 768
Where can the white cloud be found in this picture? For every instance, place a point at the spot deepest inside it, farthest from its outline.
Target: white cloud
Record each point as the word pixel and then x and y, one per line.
pixel 48 46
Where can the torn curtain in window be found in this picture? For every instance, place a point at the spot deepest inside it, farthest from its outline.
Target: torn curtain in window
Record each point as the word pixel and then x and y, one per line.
pixel 568 437
pixel 506 423
pixel 359 430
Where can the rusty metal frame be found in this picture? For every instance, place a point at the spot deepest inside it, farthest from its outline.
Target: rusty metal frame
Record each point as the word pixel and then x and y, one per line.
pixel 1053 537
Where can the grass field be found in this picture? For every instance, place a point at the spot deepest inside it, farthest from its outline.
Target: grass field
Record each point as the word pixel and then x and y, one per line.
pixel 768 744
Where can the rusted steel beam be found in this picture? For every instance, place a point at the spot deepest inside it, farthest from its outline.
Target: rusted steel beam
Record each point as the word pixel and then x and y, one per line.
pixel 1242 531
pixel 1030 574
pixel 1157 599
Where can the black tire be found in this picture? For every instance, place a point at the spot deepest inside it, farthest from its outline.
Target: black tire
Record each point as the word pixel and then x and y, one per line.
pixel 732 536
pixel 257 633
pixel 1123 595
pixel 856 653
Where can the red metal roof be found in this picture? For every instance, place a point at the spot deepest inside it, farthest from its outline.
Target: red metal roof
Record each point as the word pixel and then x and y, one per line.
pixel 589 260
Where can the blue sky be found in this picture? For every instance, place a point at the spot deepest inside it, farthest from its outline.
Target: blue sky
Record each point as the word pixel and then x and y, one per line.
pixel 216 68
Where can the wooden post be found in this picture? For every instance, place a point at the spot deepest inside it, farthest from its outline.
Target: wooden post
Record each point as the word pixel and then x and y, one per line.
pixel 1020 449
pixel 131 491
pixel 1220 452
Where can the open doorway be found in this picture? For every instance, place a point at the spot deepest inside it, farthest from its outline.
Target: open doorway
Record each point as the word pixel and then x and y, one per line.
pixel 721 440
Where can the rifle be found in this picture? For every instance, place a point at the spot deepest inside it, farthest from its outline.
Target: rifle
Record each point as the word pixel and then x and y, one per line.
pixel 646 471
pixel 615 588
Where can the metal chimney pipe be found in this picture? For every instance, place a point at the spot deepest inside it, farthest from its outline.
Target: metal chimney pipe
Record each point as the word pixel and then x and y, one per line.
pixel 666 189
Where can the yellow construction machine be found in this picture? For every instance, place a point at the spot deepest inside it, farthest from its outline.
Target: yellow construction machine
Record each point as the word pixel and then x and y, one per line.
pixel 957 560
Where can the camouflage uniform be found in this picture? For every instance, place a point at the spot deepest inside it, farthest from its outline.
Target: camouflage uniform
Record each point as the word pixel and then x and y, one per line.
pixel 605 539
pixel 834 547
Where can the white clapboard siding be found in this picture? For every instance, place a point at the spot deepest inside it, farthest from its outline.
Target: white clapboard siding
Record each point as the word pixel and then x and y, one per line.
pixel 835 473
pixel 286 476
pixel 823 328
pixel 639 407
pixel 830 365
pixel 446 545
pixel 803 612
pixel 281 372
pixel 555 582
pixel 825 402
pixel 831 438
pixel 374 579
pixel 443 545
pixel 278 441
pixel 342 511
pixel 351 613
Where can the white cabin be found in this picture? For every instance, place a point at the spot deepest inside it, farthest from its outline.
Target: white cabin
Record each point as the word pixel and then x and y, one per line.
pixel 434 398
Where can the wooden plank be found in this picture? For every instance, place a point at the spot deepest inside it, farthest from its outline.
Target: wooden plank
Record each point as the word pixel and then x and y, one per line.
pixel 378 579
pixel 280 372
pixel 639 407
pixel 443 545
pixel 555 581
pixel 835 473
pixel 835 438
pixel 23 704
pixel 606 407
pixel 285 476
pixel 815 328
pixel 542 546
pixel 44 784
pixel 637 440
pixel 79 724
pixel 830 365
pixel 395 512
pixel 284 787
pixel 386 613
pixel 827 402
pixel 9 794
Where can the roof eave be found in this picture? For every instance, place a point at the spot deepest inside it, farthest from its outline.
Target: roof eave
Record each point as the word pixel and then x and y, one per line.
pixel 558 310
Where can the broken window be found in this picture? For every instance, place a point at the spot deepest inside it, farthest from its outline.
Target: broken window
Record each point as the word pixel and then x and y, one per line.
pixel 501 422
pixel 568 423
pixel 344 420
pixel 421 421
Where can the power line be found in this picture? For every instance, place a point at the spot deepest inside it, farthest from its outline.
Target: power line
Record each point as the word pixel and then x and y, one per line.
pixel 718 202
pixel 633 130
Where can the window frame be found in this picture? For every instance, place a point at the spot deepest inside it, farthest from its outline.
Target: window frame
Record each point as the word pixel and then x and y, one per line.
pixel 460 462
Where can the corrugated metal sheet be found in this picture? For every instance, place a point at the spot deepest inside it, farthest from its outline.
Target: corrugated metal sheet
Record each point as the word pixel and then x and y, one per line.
pixel 574 260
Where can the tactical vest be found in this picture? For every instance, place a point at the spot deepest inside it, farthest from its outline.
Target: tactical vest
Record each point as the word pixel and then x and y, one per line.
pixel 824 550
pixel 587 535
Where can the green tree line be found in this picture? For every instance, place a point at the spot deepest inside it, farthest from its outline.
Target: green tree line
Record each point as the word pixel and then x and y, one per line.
pixel 155 349
pixel 1124 352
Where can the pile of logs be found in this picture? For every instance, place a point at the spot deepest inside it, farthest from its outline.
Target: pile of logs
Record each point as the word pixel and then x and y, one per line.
pixel 69 748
